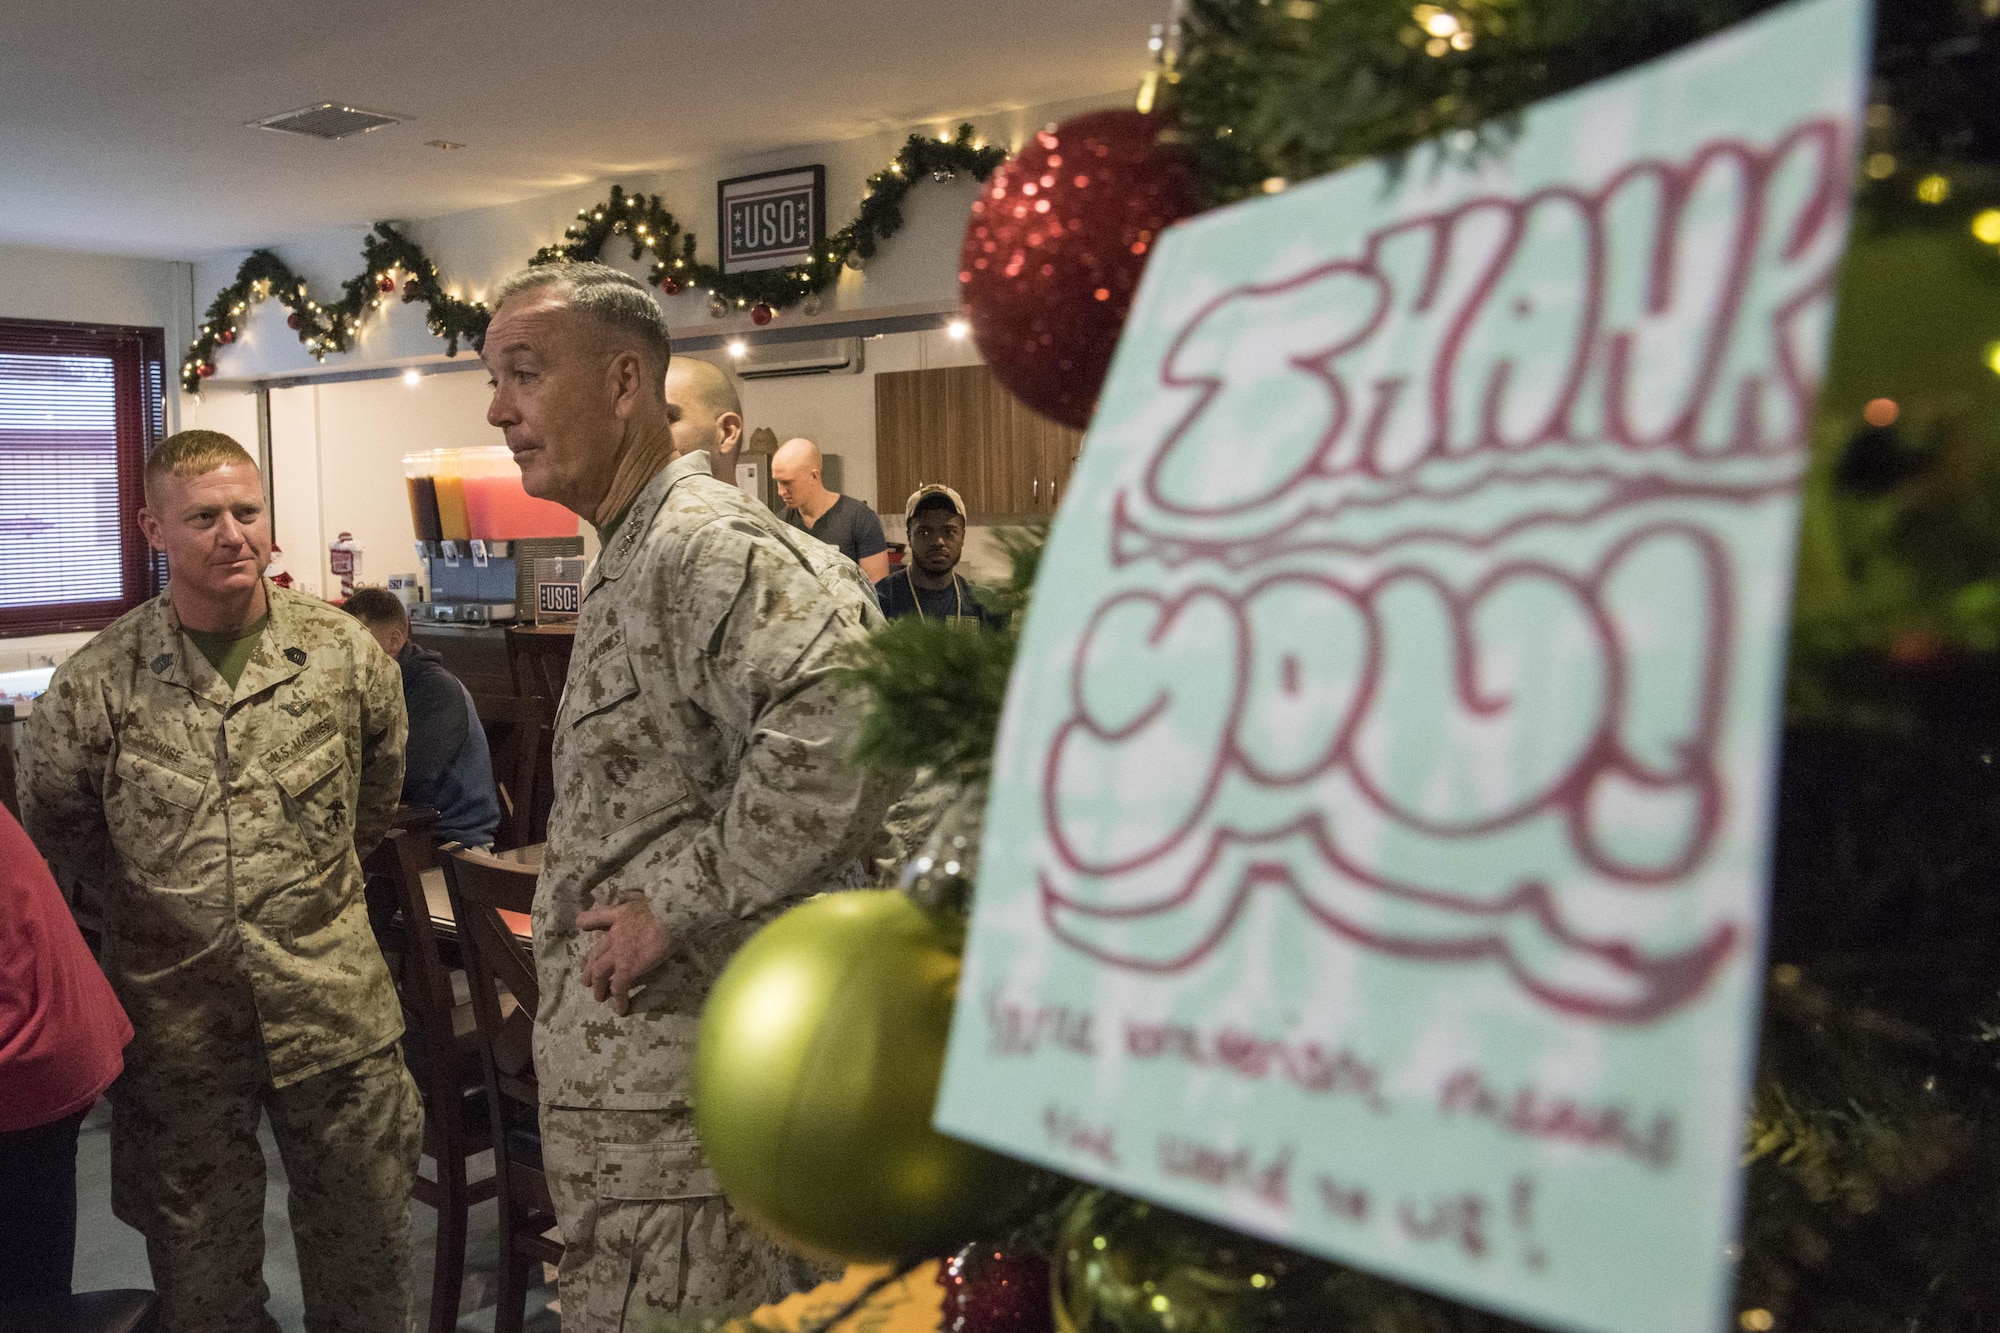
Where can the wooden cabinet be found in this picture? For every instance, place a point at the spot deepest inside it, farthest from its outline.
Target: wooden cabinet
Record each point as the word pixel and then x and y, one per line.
pixel 956 425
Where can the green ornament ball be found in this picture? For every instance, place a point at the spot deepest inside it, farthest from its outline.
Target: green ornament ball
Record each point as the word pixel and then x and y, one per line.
pixel 821 1048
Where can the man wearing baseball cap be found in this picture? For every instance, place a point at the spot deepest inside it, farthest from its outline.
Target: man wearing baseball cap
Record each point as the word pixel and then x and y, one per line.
pixel 928 585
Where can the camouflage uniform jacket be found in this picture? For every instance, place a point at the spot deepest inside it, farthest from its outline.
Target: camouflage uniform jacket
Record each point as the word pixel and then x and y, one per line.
pixel 700 762
pixel 217 833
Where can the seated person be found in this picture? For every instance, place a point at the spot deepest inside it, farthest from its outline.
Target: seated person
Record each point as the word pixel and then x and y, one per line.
pixel 449 768
pixel 928 585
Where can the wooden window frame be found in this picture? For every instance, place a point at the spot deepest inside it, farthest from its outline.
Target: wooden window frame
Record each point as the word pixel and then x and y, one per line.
pixel 138 357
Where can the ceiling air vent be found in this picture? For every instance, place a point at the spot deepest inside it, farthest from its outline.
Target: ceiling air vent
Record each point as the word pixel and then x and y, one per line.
pixel 328 120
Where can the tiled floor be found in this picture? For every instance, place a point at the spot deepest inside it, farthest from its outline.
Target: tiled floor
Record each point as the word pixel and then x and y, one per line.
pixel 111 1254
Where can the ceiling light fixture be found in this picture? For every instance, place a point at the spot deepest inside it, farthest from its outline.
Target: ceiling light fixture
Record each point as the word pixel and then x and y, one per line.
pixel 413 377
pixel 737 347
pixel 957 329
pixel 327 120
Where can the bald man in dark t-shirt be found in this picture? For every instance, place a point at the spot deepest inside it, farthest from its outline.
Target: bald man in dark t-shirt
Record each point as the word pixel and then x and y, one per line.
pixel 838 520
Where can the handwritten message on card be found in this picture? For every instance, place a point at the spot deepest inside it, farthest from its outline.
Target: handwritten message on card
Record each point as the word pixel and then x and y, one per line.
pixel 1376 856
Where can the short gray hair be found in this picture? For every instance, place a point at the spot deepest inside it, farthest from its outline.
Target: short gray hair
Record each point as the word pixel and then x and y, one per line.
pixel 615 299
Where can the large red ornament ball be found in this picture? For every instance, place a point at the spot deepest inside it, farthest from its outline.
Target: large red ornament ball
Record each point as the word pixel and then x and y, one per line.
pixel 385 283
pixel 669 286
pixel 226 337
pixel 760 313
pixel 204 370
pixel 1054 250
pixel 990 1289
pixel 292 320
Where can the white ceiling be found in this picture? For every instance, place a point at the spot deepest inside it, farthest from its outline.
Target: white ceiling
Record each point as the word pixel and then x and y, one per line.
pixel 122 121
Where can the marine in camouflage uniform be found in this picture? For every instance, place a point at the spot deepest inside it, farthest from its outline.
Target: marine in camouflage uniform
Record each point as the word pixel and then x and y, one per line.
pixel 699 763
pixel 216 830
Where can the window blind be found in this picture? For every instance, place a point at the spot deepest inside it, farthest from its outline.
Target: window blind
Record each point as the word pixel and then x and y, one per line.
pixel 79 408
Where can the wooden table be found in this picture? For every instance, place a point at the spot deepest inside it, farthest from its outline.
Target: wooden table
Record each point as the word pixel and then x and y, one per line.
pixel 438 899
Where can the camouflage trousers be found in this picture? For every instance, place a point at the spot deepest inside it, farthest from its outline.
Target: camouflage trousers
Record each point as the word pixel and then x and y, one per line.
pixel 645 1227
pixel 187 1173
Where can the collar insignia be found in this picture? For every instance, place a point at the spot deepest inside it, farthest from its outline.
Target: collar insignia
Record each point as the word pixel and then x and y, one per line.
pixel 161 663
pixel 296 656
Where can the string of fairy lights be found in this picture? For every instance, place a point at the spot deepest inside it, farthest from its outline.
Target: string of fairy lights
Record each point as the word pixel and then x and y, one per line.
pixel 393 263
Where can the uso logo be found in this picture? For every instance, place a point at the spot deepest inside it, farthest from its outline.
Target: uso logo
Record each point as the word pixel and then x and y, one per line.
pixel 772 219
pixel 558 598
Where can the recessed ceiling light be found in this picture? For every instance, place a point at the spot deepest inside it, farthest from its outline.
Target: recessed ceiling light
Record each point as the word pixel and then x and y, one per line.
pixel 328 120
pixel 445 144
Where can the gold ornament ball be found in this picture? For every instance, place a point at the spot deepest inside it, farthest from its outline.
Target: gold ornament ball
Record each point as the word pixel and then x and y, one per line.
pixel 821 1048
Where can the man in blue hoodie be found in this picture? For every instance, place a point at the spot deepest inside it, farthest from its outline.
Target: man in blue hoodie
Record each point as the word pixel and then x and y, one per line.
pixel 449 768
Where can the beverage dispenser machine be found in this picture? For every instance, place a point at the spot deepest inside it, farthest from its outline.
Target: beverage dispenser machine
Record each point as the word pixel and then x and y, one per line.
pixel 479 534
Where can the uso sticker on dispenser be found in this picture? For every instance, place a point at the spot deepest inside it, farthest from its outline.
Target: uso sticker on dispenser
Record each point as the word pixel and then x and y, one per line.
pixel 558 589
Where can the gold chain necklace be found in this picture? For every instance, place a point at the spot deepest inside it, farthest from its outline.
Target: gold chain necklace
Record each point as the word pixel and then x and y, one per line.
pixel 957 593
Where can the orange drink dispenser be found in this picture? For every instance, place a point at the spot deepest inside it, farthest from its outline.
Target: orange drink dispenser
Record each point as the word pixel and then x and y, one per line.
pixel 450 483
pixel 482 539
pixel 497 508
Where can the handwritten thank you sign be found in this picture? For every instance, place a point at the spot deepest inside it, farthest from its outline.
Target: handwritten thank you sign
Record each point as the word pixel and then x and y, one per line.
pixel 1376 857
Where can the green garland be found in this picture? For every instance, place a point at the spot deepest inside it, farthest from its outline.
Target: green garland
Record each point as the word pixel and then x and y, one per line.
pixel 1296 89
pixel 389 258
pixel 1291 89
pixel 393 260
pixel 653 230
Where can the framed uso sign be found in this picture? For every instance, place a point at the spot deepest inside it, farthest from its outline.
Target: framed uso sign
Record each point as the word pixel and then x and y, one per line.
pixel 772 219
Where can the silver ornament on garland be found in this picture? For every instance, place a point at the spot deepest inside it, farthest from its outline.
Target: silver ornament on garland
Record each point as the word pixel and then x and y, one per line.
pixel 945 822
pixel 717 306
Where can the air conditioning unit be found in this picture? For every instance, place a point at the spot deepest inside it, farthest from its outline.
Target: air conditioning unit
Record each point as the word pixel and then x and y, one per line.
pixel 827 356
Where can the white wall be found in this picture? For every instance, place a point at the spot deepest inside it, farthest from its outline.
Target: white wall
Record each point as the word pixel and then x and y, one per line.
pixel 95 289
pixel 337 449
pixel 917 269
pixel 337 466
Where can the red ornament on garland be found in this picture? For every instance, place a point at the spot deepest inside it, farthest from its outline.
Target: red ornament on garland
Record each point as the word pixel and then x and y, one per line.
pixel 292 320
pixel 669 286
pixel 385 283
pixel 204 370
pixel 409 291
pixel 760 313
pixel 991 1290
pixel 1054 250
pixel 226 337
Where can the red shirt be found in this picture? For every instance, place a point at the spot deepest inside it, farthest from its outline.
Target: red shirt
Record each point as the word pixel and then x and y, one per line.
pixel 62 1032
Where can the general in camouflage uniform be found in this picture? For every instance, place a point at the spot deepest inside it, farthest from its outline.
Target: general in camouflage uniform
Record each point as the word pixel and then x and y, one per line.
pixel 215 828
pixel 700 770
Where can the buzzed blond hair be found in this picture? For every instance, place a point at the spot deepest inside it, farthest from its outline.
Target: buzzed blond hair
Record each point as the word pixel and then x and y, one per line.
pixel 193 453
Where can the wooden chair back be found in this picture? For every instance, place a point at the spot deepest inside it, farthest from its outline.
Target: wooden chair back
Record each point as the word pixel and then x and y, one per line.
pixel 455 1127
pixel 499 965
pixel 519 739
pixel 538 658
pixel 10 727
